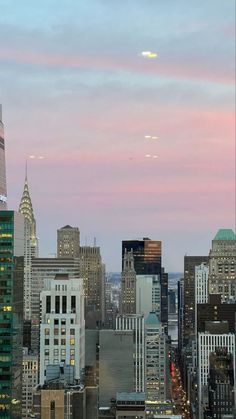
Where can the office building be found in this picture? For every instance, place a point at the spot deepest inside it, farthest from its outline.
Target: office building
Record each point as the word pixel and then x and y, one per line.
pixel 156 361
pixel 128 285
pixel 11 312
pixel 62 328
pixel 135 323
pixel 29 382
pixel 214 310
pixel 190 263
pixel 201 287
pixel 147 261
pixel 30 246
pixel 216 337
pixel 93 274
pixel 46 268
pixel 220 384
pixel 148 294
pixel 130 405
pixel 68 242
pixel 116 367
pixel 171 301
pixel 3 183
pixel 59 400
pixel 222 265
pixel 180 314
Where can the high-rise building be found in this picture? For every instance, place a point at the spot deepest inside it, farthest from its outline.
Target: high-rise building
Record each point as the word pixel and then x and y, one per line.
pixel 148 294
pixel 46 268
pixel 93 275
pixel 214 310
pixel 220 384
pixel 180 314
pixel 215 337
pixel 30 247
pixel 147 261
pixel 172 301
pixel 11 312
pixel 62 329
pixel 222 265
pixel 115 364
pixel 201 287
pixel 29 382
pixel 3 183
pixel 156 360
pixel 135 323
pixel 128 285
pixel 190 262
pixel 68 242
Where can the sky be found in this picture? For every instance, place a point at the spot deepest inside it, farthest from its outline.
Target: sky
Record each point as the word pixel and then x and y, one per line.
pixel 77 91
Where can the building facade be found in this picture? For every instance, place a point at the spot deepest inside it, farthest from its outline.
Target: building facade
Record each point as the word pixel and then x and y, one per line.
pixel 30 247
pixel 11 312
pixel 62 329
pixel 3 183
pixel 68 242
pixel 148 294
pixel 29 382
pixel 128 285
pixel 135 323
pixel 222 265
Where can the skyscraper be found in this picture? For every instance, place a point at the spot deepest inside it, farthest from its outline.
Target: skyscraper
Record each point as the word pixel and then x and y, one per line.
pixel 3 183
pixel 11 312
pixel 222 264
pixel 30 247
pixel 128 285
pixel 68 242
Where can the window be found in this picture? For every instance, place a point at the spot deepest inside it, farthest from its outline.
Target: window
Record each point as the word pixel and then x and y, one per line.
pixel 72 331
pixel 72 351
pixel 72 362
pixel 72 341
pixel 64 303
pixel 71 321
pixel 56 321
pixel 63 321
pixel 63 341
pixel 48 304
pixel 56 352
pixel 63 352
pixel 63 331
pixel 46 352
pixel 47 331
pixel 46 342
pixel 55 341
pixel 56 331
pixel 73 303
pixel 57 304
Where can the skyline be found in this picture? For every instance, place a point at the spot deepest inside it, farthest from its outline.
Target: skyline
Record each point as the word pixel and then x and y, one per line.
pixel 93 98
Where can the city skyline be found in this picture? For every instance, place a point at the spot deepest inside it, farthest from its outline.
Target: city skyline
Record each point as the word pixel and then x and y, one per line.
pixel 92 101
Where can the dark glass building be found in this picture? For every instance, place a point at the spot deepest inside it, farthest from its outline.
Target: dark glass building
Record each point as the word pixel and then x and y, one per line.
pixel 11 312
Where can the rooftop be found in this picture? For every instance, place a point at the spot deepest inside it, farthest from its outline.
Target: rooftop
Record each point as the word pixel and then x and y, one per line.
pixel 130 397
pixel 152 319
pixel 225 234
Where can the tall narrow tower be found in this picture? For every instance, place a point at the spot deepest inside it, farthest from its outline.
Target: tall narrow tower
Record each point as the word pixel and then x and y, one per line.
pixel 3 183
pixel 31 245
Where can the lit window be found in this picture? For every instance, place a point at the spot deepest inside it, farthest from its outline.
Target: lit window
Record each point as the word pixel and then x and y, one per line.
pixel 72 341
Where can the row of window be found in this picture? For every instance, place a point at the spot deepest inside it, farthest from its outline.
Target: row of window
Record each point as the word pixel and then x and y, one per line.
pixel 56 342
pixel 56 331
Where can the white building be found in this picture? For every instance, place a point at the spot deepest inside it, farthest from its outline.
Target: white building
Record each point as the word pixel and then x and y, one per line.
pixel 29 382
pixel 156 356
pixel 135 322
pixel 148 294
pixel 62 329
pixel 201 287
pixel 207 343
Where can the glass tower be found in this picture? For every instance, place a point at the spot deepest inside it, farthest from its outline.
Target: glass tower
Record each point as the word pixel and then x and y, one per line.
pixel 11 312
pixel 3 185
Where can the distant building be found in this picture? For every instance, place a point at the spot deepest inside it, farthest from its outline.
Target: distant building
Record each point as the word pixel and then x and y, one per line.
pixel 11 312
pixel 128 285
pixel 68 242
pixel 62 329
pixel 3 183
pixel 180 314
pixel 222 264
pixel 92 272
pixel 29 382
pixel 171 301
pixel 148 294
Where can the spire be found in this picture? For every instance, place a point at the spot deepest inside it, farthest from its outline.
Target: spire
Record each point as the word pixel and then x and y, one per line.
pixel 26 207
pixel 26 171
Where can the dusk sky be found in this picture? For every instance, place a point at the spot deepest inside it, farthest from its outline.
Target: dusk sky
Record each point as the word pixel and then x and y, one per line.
pixel 76 90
